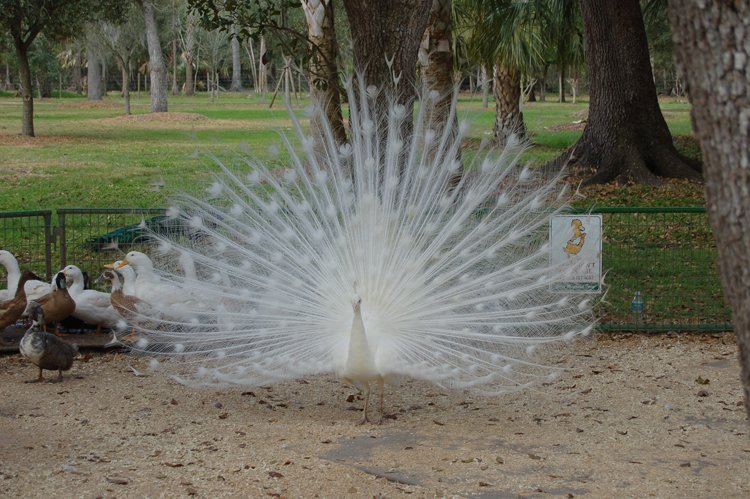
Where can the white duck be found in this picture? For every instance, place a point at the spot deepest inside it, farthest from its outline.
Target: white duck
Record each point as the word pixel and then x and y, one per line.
pixel 92 306
pixel 128 277
pixel 153 289
pixel 34 289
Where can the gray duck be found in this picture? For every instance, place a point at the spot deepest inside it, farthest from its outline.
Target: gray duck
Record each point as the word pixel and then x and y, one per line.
pixel 44 349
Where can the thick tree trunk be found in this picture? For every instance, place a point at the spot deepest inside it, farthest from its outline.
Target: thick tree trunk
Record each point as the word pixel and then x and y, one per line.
pixel 561 80
pixel 626 138
pixel 27 92
pixel 532 93
pixel 94 76
pixel 508 115
pixel 159 85
pixel 324 73
pixel 188 77
pixel 236 64
pixel 104 76
pixel 385 37
pixel 710 45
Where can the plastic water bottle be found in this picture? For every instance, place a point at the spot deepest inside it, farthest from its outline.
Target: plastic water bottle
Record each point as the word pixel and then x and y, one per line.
pixel 636 309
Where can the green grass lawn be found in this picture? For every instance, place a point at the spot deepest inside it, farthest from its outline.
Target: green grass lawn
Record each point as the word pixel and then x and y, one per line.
pixel 93 157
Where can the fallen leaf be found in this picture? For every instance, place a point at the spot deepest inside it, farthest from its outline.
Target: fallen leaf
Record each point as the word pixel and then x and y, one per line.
pixel 252 394
pixel 438 422
pixel 534 456
pixel 118 481
pixel 685 465
pixel 218 405
pixel 275 474
pixel 325 442
pixel 499 460
pixel 352 490
pixel 175 465
pixel 702 381
pixel 173 402
pixel 223 415
pixel 484 484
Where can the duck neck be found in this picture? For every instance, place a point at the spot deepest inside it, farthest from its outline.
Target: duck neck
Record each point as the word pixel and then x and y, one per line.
pixel 14 274
pixel 77 286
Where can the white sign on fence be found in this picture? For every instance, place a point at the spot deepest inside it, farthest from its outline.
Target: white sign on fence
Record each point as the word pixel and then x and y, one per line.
pixel 576 243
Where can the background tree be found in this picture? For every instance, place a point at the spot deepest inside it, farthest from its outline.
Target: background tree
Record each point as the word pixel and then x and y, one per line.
pixel 93 68
pixel 59 19
pixel 626 138
pixel 158 69
pixel 121 41
pixel 236 62
pixel 711 47
pixel 187 42
pixel 324 72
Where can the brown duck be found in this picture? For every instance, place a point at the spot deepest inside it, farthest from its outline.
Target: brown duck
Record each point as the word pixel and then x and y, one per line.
pixel 43 349
pixel 11 310
pixel 134 310
pixel 57 305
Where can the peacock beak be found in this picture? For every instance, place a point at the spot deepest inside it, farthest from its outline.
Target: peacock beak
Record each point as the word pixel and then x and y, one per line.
pixel 123 263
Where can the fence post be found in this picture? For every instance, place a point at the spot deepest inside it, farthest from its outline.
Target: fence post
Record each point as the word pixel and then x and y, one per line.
pixel 48 245
pixel 61 235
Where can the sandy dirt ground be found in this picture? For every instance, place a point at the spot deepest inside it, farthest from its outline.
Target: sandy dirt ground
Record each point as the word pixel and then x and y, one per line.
pixel 632 416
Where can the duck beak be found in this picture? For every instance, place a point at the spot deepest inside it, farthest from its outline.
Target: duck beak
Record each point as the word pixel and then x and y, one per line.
pixel 124 262
pixel 99 278
pixel 109 266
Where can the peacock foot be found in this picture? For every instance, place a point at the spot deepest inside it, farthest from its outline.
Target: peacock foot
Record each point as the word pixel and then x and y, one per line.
pixel 378 422
pixel 362 421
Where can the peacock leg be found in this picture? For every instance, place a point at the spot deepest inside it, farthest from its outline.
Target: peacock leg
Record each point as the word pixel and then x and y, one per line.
pixel 381 389
pixel 366 388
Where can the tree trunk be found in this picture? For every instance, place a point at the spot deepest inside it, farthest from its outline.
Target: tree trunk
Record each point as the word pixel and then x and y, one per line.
pixel 175 86
pixel 486 82
pixel 236 63
pixel 385 38
pixel 94 76
pixel 561 81
pixel 710 45
pixel 159 88
pixel 262 68
pixel 189 55
pixel 27 92
pixel 126 88
pixel 77 74
pixel 508 115
pixel 543 84
pixel 532 93
pixel 436 66
pixel 324 72
pixel 104 77
pixel 626 138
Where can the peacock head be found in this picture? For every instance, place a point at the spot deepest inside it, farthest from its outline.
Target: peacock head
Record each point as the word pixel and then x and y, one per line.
pixel 356 301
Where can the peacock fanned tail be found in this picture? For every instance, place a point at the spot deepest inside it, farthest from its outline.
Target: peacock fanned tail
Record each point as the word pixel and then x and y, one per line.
pixel 450 257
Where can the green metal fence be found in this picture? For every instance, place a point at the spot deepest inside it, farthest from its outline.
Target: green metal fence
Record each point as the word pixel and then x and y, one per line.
pixel 667 254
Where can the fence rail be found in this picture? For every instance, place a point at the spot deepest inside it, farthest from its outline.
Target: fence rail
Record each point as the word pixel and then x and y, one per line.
pixel 667 254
